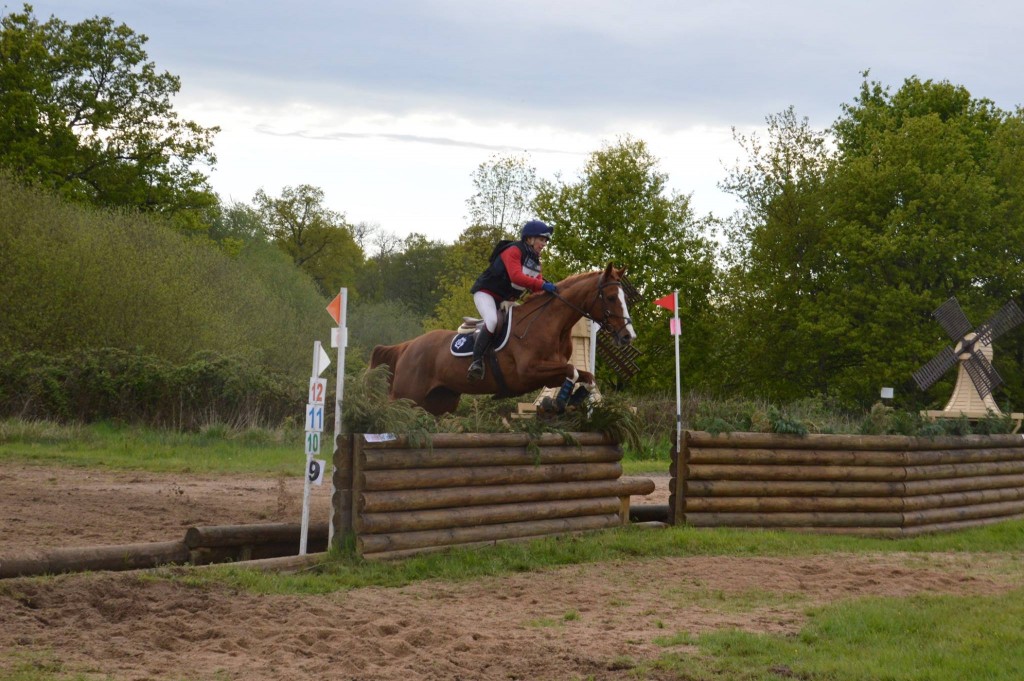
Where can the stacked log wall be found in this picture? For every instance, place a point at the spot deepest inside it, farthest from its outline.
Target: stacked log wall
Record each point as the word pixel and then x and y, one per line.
pixel 476 488
pixel 890 486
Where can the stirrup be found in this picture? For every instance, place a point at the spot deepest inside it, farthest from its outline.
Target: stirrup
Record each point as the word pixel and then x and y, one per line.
pixel 476 370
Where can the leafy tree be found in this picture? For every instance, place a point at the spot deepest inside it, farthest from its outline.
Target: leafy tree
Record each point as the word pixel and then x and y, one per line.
pixel 317 239
pixel 777 339
pixel 841 256
pixel 463 263
pixel 406 272
pixel 621 210
pixel 82 111
pixel 504 188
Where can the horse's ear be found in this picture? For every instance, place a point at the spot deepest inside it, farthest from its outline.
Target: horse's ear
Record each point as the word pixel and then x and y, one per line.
pixel 609 270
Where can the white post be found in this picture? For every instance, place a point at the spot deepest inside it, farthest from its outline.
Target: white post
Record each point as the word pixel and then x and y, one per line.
pixel 341 338
pixel 679 399
pixel 309 457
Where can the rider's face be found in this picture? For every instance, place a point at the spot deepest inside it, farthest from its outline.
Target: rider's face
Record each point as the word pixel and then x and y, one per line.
pixel 538 243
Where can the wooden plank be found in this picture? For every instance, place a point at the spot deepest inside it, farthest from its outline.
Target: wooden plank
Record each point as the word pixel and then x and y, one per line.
pixel 962 470
pixel 849 442
pixel 934 516
pixel 921 487
pixel 81 559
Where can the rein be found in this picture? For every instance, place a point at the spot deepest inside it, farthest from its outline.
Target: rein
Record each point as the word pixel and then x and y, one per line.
pixel 608 314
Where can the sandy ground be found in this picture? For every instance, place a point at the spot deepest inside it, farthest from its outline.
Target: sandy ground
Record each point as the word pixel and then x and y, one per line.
pixel 579 622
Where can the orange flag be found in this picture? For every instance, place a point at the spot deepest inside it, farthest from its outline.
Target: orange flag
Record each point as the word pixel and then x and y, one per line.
pixel 668 302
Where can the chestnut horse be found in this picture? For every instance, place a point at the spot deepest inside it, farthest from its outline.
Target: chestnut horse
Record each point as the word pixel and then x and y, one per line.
pixel 425 371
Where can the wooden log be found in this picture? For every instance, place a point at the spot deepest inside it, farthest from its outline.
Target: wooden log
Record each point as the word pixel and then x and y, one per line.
pixel 86 558
pixel 469 440
pixel 792 504
pixel 794 519
pixel 791 488
pixel 920 487
pixel 413 521
pixel 807 457
pixel 848 442
pixel 802 473
pixel 242 535
pixel 409 500
pixel 433 478
pixel 408 553
pixel 645 513
pixel 385 459
pixel 376 543
pixel 963 470
pixel 934 516
pixel 967 498
pixel 918 530
pixel 341 500
pixel 205 555
pixel 879 532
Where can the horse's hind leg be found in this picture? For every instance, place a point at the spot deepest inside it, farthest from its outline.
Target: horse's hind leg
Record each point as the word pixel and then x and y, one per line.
pixel 441 401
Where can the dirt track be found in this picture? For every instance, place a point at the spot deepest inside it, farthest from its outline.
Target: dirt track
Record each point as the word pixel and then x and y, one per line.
pixel 589 621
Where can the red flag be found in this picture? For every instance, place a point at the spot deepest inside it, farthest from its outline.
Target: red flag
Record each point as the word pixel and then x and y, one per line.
pixel 668 302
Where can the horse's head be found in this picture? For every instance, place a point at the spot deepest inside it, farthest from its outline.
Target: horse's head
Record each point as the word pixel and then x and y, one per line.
pixel 609 306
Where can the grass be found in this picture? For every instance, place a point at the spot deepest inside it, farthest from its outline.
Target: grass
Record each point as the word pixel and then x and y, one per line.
pixel 215 449
pixel 920 638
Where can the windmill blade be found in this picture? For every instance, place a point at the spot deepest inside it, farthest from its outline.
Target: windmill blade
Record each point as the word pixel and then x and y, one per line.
pixel 952 318
pixel 933 370
pixel 982 373
pixel 1006 318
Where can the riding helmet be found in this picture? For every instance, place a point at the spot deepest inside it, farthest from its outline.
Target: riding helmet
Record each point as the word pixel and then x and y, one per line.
pixel 536 228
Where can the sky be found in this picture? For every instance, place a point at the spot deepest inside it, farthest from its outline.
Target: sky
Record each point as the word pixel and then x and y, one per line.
pixel 390 105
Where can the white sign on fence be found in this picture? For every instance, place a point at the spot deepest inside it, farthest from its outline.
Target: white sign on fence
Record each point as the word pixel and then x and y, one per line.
pixel 315 471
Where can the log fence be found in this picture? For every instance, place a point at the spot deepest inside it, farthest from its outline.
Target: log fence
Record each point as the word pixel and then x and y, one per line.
pixel 889 486
pixel 396 499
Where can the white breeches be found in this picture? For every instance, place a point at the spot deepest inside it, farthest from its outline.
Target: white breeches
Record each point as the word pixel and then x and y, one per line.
pixel 488 309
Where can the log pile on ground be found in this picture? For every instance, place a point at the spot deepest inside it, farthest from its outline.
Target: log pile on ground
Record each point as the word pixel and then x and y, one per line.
pixel 885 485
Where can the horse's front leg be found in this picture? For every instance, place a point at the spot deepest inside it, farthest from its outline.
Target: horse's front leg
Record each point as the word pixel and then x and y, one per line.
pixel 565 377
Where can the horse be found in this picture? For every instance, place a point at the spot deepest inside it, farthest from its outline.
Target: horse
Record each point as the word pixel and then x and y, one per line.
pixel 425 370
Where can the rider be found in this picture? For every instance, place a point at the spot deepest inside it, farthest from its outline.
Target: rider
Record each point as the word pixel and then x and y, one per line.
pixel 515 269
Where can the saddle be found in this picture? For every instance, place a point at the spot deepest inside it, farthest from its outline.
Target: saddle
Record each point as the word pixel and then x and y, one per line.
pixel 465 336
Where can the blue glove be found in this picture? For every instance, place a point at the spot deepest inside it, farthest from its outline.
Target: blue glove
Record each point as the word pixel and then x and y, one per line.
pixel 549 287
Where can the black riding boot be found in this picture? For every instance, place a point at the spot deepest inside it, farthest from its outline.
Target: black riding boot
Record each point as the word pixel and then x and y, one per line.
pixel 483 342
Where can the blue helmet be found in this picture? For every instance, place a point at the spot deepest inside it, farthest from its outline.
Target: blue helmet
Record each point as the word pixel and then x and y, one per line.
pixel 536 228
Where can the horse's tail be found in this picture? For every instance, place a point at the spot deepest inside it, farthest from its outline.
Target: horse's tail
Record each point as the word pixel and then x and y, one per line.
pixel 387 354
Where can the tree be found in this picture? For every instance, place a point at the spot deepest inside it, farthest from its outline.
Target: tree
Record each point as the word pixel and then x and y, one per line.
pixel 83 112
pixel 463 263
pixel 841 256
pixel 620 210
pixel 317 239
pixel 406 272
pixel 504 187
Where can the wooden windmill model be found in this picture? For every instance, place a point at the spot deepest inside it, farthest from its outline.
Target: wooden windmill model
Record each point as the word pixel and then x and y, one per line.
pixel 972 350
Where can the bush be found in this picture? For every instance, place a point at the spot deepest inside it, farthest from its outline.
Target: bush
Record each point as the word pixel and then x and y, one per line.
pixel 111 384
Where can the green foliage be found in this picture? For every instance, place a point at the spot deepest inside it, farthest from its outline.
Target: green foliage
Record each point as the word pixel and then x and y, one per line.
pixel 77 278
pixel 318 240
pixel 126 387
pixel 463 263
pixel 850 238
pixel 620 210
pixel 405 272
pixel 367 408
pixel 83 112
pixel 504 188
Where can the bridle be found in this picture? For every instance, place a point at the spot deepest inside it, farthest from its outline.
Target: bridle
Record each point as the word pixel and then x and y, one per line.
pixel 598 296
